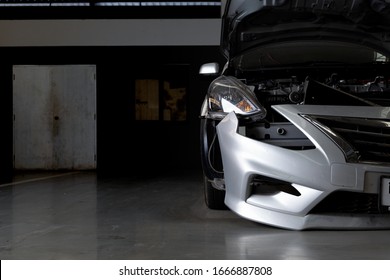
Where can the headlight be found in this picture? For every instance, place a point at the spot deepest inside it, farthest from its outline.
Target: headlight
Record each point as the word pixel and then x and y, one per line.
pixel 227 94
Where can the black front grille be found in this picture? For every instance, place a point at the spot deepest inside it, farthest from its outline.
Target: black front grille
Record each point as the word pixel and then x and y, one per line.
pixel 370 138
pixel 350 203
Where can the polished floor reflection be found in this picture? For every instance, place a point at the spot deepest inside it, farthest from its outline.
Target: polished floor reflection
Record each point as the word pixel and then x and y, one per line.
pixel 80 215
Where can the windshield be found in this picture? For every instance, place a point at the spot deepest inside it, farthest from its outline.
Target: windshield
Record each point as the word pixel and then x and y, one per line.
pixel 307 53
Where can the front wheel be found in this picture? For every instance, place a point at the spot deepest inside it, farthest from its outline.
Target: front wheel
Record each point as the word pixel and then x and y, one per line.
pixel 215 199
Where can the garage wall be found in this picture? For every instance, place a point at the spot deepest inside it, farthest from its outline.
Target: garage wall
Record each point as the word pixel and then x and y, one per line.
pixel 122 50
pixel 126 32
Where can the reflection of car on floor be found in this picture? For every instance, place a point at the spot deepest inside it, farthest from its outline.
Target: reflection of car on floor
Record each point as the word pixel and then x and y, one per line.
pixel 295 130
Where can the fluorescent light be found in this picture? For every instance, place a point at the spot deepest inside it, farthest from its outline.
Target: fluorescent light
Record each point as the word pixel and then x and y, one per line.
pixel 157 4
pixel 25 5
pixel 116 4
pixel 70 4
pixel 44 4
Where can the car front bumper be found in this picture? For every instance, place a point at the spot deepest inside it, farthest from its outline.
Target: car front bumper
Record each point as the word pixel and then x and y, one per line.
pixel 314 174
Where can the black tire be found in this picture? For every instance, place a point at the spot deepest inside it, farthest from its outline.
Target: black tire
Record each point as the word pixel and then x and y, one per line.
pixel 215 199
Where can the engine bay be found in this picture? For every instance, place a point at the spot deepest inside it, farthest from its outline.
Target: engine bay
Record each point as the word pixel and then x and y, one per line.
pixel 331 90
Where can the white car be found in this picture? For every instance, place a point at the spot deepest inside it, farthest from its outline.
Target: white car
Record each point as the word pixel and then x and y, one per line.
pixel 295 129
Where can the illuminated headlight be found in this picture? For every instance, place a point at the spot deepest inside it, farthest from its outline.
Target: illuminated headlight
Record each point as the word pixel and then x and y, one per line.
pixel 227 94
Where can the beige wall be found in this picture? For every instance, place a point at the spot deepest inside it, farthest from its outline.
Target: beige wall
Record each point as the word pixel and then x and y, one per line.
pixel 126 32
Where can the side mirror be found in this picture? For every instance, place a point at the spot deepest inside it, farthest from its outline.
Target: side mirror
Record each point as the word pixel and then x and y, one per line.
pixel 209 69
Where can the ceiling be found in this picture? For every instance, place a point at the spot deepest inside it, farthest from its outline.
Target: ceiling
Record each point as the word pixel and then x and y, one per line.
pixel 60 9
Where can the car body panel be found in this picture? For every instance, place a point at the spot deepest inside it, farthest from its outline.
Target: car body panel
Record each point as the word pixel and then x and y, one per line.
pixel 313 149
pixel 247 23
pixel 314 173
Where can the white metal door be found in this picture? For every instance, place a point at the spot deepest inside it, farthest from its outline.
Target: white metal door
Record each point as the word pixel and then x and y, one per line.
pixel 54 117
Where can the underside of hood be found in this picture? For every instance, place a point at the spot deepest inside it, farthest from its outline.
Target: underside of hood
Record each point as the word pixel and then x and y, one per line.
pixel 247 24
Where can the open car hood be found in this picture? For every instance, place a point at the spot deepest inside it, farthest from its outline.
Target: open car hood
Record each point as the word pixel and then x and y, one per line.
pixel 254 24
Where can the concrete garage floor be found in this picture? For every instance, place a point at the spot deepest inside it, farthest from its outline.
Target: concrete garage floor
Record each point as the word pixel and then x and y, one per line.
pixel 79 215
